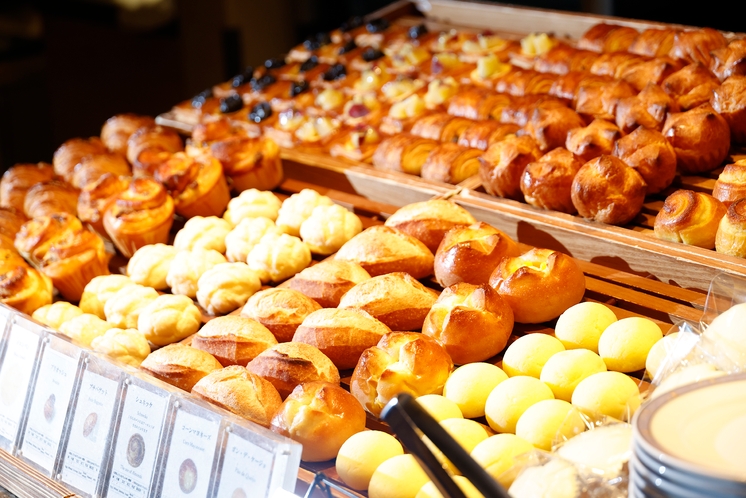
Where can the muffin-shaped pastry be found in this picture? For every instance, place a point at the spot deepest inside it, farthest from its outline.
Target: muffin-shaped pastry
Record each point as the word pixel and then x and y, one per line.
pixel 329 228
pixel 197 184
pixel 150 264
pixel 123 309
pixel 234 340
pixel 700 138
pixel 653 42
pixel 691 86
pixel 18 179
pixel 382 249
pixel 188 266
pixel 91 168
pixel 731 235
pixel 127 346
pixel 52 197
pixel 396 299
pixel 539 285
pixel 547 183
pixel 99 290
pixel 549 127
pixel 56 314
pixel 290 364
pixel 11 221
pixel 504 163
pixel 695 45
pixel 180 365
pixel 598 99
pixel 731 184
pixel 648 109
pixel 690 217
pixel 118 129
pixel 139 216
pixel 321 416
pixel 36 236
pixel 451 163
pixel 280 310
pixel 96 197
pixel 730 101
pixel 328 281
pixel 278 257
pixel 24 288
pixel 203 233
pixel 84 328
pixel 469 254
pixel 428 221
pixel 252 203
pixel 605 189
pixel 69 154
pixel 150 146
pixel 459 311
pixel 239 391
pixel 404 153
pixel 226 287
pixel 298 208
pixel 650 154
pixel 250 163
pixel 592 141
pixel 168 318
pixel 401 362
pixel 241 240
pixel 341 334
pixel 729 61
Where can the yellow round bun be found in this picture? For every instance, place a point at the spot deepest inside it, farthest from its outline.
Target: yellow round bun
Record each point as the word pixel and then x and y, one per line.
pixel 509 399
pixel 564 371
pixel 581 326
pixel 467 433
pixel 398 477
pixel 613 394
pixel 549 421
pixel 625 344
pixel 528 354
pixel 439 407
pixel 362 453
pixel 429 490
pixel 497 453
pixel 470 385
pixel 657 354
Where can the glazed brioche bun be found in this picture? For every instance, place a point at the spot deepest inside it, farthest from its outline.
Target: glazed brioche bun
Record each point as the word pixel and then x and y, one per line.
pixel 503 163
pixel 539 285
pixel 328 281
pixel 730 101
pixel 470 254
pixel 731 184
pixel 180 365
pixel 731 234
pixel 320 416
pixel 547 183
pixel 429 221
pixel 233 340
pixel 280 310
pixel 650 154
pixel 690 217
pixel 700 137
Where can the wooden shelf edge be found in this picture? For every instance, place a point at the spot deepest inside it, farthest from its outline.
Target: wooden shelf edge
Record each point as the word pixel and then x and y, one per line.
pixel 26 482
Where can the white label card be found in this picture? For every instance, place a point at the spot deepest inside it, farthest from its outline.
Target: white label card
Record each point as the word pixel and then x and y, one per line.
pixel 15 375
pixel 46 418
pixel 190 456
pixel 137 443
pixel 91 424
pixel 246 469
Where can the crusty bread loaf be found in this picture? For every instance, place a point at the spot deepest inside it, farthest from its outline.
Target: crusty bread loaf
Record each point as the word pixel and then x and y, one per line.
pixel 280 310
pixel 233 340
pixel 180 365
pixel 429 221
pixel 328 281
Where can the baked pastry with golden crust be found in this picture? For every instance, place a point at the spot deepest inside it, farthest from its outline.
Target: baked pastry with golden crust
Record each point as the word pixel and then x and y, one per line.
pixel 278 257
pixel 139 216
pixel 123 309
pixel 280 310
pixel 99 290
pixel 36 236
pixel 52 197
pixel 690 217
pixel 549 127
pixel 640 74
pixel 731 184
pixel 403 152
pixel 731 235
pixel 188 266
pixel 730 101
pixel 117 130
pixel 729 61
pixel 250 163
pixel 648 152
pixel 594 140
pixel 54 315
pixel 241 240
pixel 605 189
pixel 69 154
pixel 547 183
pixel 91 168
pixel 180 365
pixel 614 64
pixel 695 45
pixel 481 134
pixel 477 103
pixel 203 233
pixel 521 109
pixel 18 179
pixel 700 138
pixel 11 221
pixel 604 37
pixel 441 127
pixel 401 362
pixel 252 203
pixel 599 99
pixel 234 340
pixel 85 328
pixel 226 287
pixel 24 288
pixel 169 318
pixel 329 228
pixel 150 264
pixel 428 221
pixel 691 86
pixel 451 163
pixel 653 42
pixel 648 108
pixel 96 197
pixel 298 208
pixel 197 184
pixel 127 346
pixel 503 164
pixel 149 147
pixel 328 281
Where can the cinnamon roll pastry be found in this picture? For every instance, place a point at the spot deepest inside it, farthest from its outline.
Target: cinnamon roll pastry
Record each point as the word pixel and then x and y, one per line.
pixel 481 134
pixel 441 127
pixel 451 163
pixel 36 236
pixel 550 127
pixel 18 179
pixel 648 109
pixel 45 199
pixel 404 152
pixel 731 184
pixel 197 184
pixel 731 234
pixel 599 100
pixel 605 189
pixel 149 147
pixel 503 164
pixel 649 72
pixel 69 154
pixel 24 288
pixel 594 140
pixel 730 101
pixel 653 42
pixel 547 183
pixel 691 86
pixel 690 217
pixel 700 137
pixel 648 152
pixel 96 197
pixel 250 163
pixel 695 45
pixel 139 216
pixel 91 168
pixel 11 221
pixel 731 60
pixel 477 103
pixel 118 129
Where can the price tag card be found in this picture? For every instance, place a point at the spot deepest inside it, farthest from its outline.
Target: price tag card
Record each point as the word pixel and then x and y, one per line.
pixel 5 314
pixel 138 440
pixel 46 418
pixel 16 370
pixel 90 432
pixel 191 451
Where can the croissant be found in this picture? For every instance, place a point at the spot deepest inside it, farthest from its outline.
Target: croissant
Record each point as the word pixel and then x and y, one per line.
pixel 96 197
pixel 520 110
pixel 648 152
pixel 69 154
pixel 731 234
pixel 547 183
pixel 404 152
pixel 118 129
pixel 451 163
pixel 481 134
pixel 11 221
pixel 730 101
pixel 648 109
pixel 696 45
pixel 18 179
pixel 440 126
pixel 477 103
pixel 550 127
pixel 653 42
pixel 592 141
pixel 731 184
pixel 566 85
pixel 525 82
pixel 503 164
pixel 595 38
pixel 149 147
pixel 91 168
pixel 44 199
pixel 197 184
pixel 729 61
pixel 582 60
pixel 615 64
pixel 556 60
pixel 600 100
pixel 700 137
pixel 250 163
pixel 689 217
pixel 691 86
pixel 24 288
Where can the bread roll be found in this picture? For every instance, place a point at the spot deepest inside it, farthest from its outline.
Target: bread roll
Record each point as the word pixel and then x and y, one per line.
pixel 226 287
pixel 653 42
pixel 730 101
pixel 503 164
pixel 731 60
pixel 695 45
pixel 329 228
pixel 700 137
pixel 127 346
pixel 150 264
pixel 180 365
pixel 278 257
pixel 99 290
pixel 169 318
pixel 233 340
pixel 85 328
pixel 246 235
pixel 547 183
pixel 731 184
pixel 188 266
pixel 252 203
pixel 598 98
pixel 650 154
pixel 731 235
pixel 54 315
pixel 593 140
pixel 328 281
pixel 203 233
pixel 123 309
pixel 690 217
pixel 298 208
pixel 428 221
pixel 549 127
pixel 280 310
pixel 648 109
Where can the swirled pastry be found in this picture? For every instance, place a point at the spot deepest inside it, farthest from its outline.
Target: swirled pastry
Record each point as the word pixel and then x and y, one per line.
pixel 250 163
pixel 594 140
pixel 36 236
pixel 197 184
pixel 127 346
pixel 91 168
pixel 278 257
pixel 99 290
pixel 226 287
pixel 549 127
pixel 123 309
pixel 298 208
pixel 96 197
pixel 188 266
pixel 689 217
pixel 731 184
pixel 118 129
pixel 730 101
pixel 84 328
pixel 169 318
pixel 150 264
pixel 731 235
pixel 150 146
pixel 403 152
pixel 547 183
pixel 451 163
pixel 648 152
pixel 52 197
pixel 329 228
pixel 648 108
pixel 700 138
pixel 503 164
pixel 24 288
pixel 241 240
pixel 441 127
pixel 18 179
pixel 203 233
pixel 691 86
pixel 69 154
pixel 252 203
pixel 56 314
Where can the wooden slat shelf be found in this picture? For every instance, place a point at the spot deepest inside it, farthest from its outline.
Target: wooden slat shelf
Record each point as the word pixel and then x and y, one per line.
pixel 26 482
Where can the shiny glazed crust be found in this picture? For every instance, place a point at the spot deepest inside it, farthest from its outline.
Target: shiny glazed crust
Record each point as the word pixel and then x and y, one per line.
pixel 91 168
pixel 403 152
pixel 197 185
pixel 730 101
pixel 592 141
pixel 429 221
pixel 280 310
pixel 503 164
pixel 650 154
pixel 731 234
pixel 648 109
pixel 700 138
pixel 731 184
pixel 549 127
pixel 18 179
pixel 149 147
pixel 24 288
pixel 117 130
pixel 180 365
pixel 46 199
pixel 96 197
pixel 547 183
pixel 690 217
pixel 328 281
pixel 451 163
pixel 69 154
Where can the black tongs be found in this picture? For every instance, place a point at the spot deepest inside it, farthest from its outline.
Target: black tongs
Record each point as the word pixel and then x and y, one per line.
pixel 410 422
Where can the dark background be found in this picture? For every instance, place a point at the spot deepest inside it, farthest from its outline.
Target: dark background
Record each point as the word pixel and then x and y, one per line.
pixel 68 65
